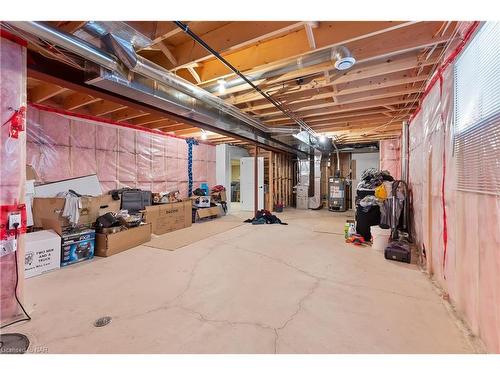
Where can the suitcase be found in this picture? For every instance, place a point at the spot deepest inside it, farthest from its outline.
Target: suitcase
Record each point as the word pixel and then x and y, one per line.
pixel 136 200
pixel 399 251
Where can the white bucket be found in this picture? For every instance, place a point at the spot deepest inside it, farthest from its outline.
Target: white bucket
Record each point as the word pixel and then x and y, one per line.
pixel 380 237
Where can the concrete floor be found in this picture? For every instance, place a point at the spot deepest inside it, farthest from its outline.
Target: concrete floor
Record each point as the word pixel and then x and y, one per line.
pixel 252 289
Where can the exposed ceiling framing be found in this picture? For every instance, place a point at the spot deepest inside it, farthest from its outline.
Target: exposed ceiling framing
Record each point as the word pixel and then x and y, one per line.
pixel 366 103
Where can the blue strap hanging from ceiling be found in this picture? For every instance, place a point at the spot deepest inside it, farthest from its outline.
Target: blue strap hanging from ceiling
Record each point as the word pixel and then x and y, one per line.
pixel 190 142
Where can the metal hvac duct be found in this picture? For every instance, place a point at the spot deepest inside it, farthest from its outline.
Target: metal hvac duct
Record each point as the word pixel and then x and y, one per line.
pixel 69 42
pixel 302 62
pixel 315 200
pixel 163 89
pixel 337 55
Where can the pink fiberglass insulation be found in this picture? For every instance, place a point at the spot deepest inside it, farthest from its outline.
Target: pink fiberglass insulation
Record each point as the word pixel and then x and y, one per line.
pixel 172 165
pixel 182 170
pixel 390 157
pixel 54 129
pixel 171 147
pixel 107 139
pixel 144 167
pixel 12 168
pixel 159 172
pixel 199 170
pixel 182 149
pixel 158 145
pixel 106 166
pixel 83 134
pixel 83 161
pixel 126 140
pixel 127 168
pixel 458 229
pixel 119 156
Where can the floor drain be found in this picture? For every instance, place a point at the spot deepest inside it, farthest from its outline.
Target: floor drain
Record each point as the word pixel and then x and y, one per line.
pixel 101 322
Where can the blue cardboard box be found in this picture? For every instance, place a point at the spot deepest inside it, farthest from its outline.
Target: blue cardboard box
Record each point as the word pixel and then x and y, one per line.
pixel 77 246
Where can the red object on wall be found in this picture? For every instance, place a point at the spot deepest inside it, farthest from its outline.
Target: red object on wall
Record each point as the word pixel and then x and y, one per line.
pixel 5 211
pixel 17 122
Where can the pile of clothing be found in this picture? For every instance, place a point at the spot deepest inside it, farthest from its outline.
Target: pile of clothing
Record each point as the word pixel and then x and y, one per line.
pixel 372 201
pixel 372 177
pixel 265 217
pixel 218 188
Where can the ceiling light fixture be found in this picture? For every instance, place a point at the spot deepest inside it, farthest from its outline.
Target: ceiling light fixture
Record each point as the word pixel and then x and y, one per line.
pixel 222 86
pixel 204 134
pixel 343 58
pixel 322 138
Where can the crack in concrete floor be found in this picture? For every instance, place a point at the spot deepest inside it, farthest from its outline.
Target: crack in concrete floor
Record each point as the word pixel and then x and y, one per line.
pixel 326 279
pixel 201 317
pixel 298 303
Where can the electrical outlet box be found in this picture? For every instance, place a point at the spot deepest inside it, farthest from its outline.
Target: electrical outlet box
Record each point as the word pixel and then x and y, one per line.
pixel 14 218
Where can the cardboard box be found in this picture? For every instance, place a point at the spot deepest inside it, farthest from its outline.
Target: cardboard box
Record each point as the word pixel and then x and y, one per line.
pixel 168 217
pixel 45 209
pixel 219 196
pixel 202 201
pixel 42 252
pixel 108 204
pixel 114 243
pixel 77 246
pixel 203 213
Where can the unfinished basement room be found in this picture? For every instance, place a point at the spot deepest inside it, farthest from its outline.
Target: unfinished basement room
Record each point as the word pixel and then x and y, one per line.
pixel 249 186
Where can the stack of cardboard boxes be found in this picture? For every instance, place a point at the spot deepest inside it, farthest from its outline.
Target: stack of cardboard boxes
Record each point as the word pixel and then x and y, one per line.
pixel 209 206
pixel 54 243
pixel 60 244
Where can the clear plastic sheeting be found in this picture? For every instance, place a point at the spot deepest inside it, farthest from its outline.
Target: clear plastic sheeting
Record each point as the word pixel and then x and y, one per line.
pixel 458 230
pixel 61 146
pixel 12 167
pixel 390 157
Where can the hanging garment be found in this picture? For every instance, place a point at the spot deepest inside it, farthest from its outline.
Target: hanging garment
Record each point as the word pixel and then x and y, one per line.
pixel 72 206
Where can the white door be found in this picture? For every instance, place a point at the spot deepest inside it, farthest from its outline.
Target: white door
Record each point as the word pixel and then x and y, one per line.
pixel 247 183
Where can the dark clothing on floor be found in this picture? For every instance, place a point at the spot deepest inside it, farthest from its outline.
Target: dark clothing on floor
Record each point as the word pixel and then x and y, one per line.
pixel 265 217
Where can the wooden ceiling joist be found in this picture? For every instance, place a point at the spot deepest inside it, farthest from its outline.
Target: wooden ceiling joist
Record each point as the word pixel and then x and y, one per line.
pixel 305 106
pixel 149 120
pixel 233 36
pixel 348 108
pixel 394 60
pixel 127 114
pixel 388 39
pixel 294 44
pixel 77 100
pixel 44 92
pixel 102 108
pixel 167 52
pixel 175 128
pixel 342 116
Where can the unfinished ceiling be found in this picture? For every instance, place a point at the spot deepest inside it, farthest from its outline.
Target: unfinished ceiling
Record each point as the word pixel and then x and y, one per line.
pixel 291 62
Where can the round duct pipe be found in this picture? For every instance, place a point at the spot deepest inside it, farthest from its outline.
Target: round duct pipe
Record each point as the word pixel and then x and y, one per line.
pixel 342 58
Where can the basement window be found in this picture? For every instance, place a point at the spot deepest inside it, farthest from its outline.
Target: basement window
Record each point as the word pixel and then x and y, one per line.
pixel 477 112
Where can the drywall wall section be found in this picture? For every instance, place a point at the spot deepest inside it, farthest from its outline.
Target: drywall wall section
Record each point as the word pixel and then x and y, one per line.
pixel 61 146
pixel 12 170
pixel 458 230
pixel 390 157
